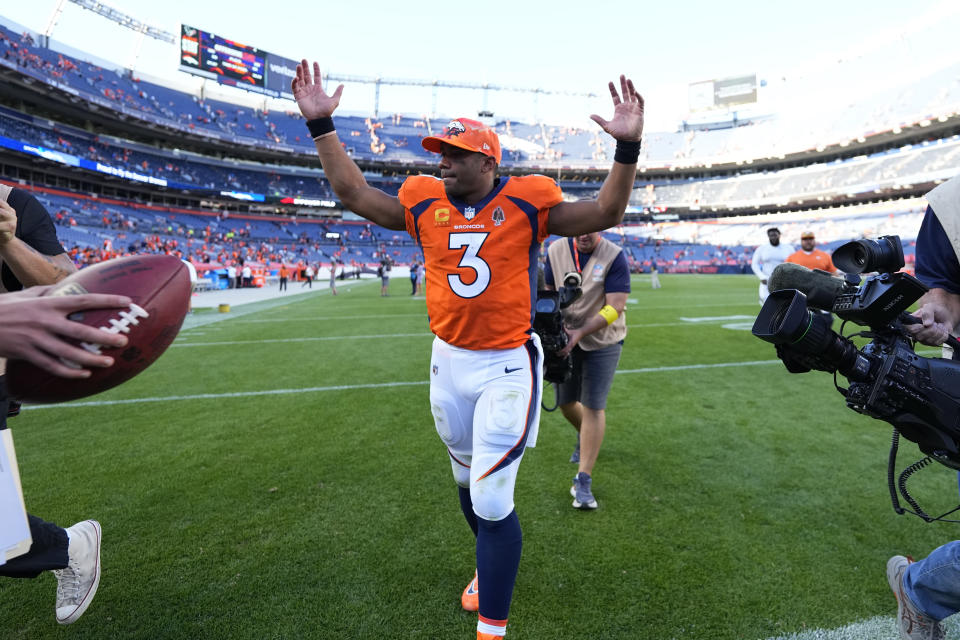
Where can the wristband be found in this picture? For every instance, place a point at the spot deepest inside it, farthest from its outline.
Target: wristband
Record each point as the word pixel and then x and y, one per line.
pixel 320 127
pixel 609 314
pixel 628 152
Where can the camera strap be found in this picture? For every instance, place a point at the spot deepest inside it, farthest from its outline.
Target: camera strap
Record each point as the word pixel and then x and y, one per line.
pixel 575 254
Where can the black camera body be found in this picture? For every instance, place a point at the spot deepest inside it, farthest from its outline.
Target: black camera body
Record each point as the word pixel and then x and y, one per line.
pixel 919 396
pixel 548 323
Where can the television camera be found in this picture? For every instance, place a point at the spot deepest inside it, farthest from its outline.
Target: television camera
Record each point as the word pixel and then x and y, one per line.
pixel 548 323
pixel 919 396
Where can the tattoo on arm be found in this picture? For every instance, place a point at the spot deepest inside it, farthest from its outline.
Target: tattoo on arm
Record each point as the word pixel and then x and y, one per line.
pixel 60 270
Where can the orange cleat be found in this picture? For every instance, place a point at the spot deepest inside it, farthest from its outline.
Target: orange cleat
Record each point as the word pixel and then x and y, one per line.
pixel 470 600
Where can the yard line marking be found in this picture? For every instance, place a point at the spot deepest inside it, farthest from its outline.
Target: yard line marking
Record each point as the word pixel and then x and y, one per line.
pixel 687 367
pixel 877 628
pixel 312 318
pixel 717 318
pixel 346 387
pixel 310 339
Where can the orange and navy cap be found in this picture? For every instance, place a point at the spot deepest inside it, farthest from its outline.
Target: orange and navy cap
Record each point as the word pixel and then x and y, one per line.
pixel 466 134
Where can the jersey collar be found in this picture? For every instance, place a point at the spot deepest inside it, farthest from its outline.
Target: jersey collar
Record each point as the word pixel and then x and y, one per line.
pixel 461 206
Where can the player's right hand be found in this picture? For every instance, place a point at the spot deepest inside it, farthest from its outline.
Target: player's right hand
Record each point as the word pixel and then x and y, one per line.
pixel 308 92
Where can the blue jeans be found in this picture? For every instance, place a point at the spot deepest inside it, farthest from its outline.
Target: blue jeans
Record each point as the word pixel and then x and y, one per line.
pixel 933 584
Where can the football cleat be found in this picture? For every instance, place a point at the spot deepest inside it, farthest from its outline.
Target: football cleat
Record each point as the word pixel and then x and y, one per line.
pixel 470 600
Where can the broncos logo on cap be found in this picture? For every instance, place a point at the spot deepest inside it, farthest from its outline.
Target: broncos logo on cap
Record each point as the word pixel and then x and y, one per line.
pixel 454 128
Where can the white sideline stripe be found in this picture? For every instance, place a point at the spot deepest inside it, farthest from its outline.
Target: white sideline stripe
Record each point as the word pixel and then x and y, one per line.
pixel 346 387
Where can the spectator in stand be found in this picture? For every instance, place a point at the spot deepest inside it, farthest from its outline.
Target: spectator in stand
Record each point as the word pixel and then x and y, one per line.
pixel 809 256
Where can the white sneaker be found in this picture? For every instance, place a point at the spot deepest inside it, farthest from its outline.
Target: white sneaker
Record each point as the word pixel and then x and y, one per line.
pixel 77 583
pixel 912 623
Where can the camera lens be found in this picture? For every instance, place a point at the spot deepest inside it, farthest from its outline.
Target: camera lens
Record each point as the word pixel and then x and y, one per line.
pixel 885 254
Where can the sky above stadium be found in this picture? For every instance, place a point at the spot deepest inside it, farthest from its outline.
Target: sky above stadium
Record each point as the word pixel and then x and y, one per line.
pixel 557 46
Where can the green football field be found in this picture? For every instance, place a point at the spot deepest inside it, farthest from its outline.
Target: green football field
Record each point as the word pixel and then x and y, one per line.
pixel 276 474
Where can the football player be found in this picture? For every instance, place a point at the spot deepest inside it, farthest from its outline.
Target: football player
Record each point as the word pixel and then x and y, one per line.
pixel 480 235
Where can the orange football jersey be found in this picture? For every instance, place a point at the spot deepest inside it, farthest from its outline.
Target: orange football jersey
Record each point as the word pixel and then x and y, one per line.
pixel 481 260
pixel 816 259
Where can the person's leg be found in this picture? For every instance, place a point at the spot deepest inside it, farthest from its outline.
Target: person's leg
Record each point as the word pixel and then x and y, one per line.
pixel 73 555
pixel 597 369
pixel 453 419
pixel 506 417
pixel 592 427
pixel 47 553
pixel 933 584
pixel 568 399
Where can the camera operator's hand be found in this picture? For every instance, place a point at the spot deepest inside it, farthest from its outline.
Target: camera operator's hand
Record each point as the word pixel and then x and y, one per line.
pixel 574 336
pixel 938 315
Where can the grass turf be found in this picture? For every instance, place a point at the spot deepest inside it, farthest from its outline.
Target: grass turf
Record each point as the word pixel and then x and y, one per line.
pixel 301 499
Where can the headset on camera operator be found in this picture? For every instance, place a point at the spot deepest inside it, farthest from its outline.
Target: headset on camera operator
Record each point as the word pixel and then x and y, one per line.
pixel 596 326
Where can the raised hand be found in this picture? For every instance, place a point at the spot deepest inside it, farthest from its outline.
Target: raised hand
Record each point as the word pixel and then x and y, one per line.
pixel 627 122
pixel 308 92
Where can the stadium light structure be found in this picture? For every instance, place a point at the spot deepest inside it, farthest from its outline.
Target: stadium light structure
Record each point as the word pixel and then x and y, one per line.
pixel 122 19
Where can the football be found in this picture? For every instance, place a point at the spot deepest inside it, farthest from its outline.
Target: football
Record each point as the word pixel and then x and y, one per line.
pixel 160 288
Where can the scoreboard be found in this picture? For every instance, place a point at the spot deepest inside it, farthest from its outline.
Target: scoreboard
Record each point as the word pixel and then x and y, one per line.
pixel 231 63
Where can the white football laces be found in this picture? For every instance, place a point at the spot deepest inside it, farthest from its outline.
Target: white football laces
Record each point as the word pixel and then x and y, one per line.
pixel 120 324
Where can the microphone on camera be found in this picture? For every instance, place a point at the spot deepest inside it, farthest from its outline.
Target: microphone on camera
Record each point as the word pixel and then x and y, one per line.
pixel 820 287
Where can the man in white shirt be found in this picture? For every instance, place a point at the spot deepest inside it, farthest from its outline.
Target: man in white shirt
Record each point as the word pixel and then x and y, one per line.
pixel 767 257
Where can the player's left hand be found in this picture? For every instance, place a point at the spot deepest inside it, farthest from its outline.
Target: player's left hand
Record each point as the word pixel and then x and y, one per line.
pixel 627 122
pixel 8 222
pixel 309 94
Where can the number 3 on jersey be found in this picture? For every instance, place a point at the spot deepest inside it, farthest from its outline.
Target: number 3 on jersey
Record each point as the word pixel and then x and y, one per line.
pixel 470 260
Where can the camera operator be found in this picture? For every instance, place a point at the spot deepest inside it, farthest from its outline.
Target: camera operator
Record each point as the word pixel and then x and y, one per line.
pixel 596 326
pixel 928 591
